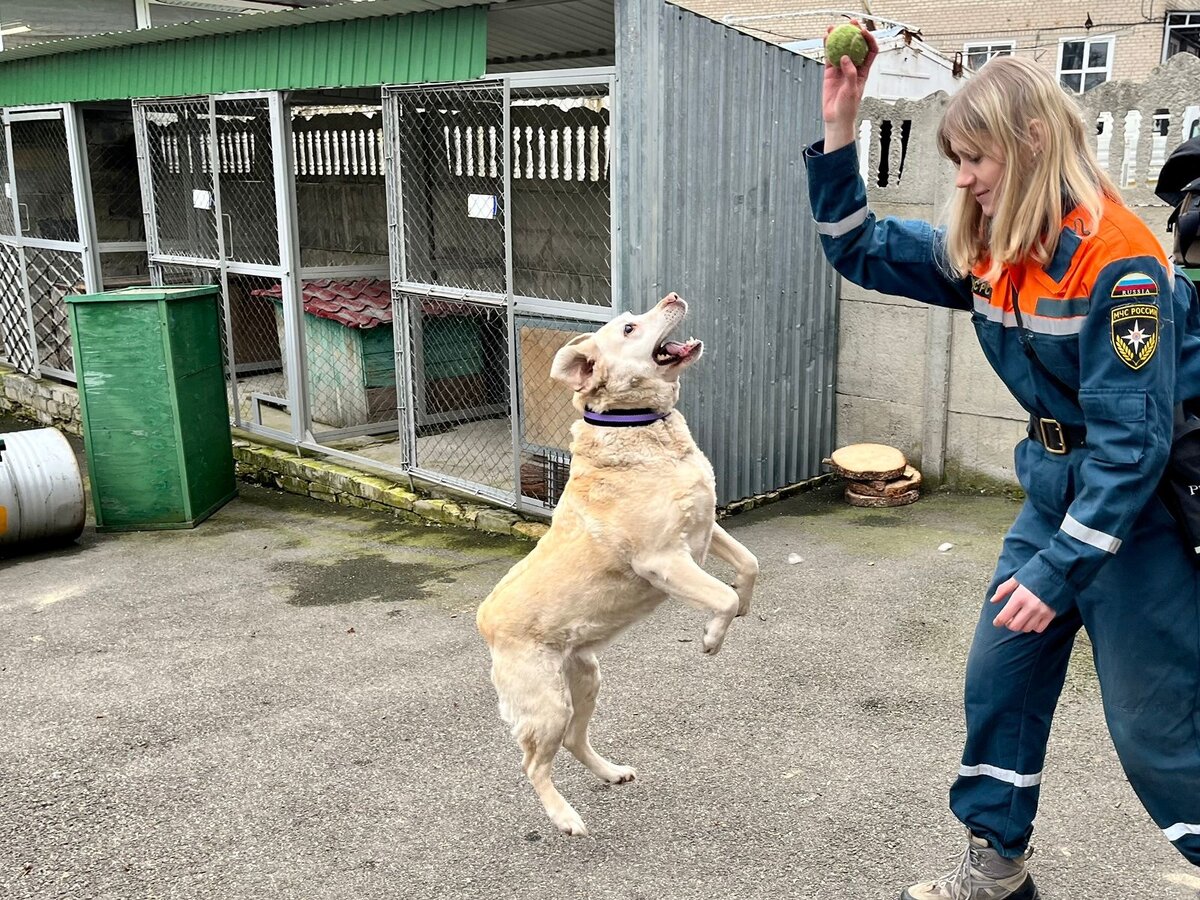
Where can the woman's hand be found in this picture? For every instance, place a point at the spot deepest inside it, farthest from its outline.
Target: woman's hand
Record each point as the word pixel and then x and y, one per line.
pixel 1023 611
pixel 842 95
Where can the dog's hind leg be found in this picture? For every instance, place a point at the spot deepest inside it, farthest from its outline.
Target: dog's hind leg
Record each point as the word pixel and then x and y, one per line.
pixel 745 565
pixel 535 702
pixel 583 678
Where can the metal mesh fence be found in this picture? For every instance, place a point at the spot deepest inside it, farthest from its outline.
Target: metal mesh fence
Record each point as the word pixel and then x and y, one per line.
pixel 341 194
pixel 113 170
pixel 256 323
pixel 459 385
pixel 43 178
pixel 561 195
pixel 450 158
pixel 247 180
pixel 546 414
pixel 52 275
pixel 178 155
pixel 15 347
pixel 7 223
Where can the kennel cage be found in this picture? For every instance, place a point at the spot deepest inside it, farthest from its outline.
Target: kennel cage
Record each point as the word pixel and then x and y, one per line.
pixel 502 220
pixel 444 243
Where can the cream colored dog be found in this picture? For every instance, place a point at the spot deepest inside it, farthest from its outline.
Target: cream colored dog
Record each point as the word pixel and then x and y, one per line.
pixel 634 523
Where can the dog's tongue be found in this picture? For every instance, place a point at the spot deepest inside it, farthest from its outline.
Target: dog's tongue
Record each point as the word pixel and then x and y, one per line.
pixel 675 348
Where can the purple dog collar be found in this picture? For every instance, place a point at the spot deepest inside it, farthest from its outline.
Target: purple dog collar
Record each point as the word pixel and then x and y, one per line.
pixel 624 418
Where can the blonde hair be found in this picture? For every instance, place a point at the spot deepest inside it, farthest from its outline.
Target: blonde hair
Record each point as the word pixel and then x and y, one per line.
pixel 994 115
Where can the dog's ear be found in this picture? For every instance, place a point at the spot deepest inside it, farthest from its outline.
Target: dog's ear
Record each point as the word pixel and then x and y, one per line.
pixel 575 364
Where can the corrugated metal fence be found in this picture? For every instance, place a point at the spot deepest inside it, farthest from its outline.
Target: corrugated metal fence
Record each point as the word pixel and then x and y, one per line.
pixel 712 197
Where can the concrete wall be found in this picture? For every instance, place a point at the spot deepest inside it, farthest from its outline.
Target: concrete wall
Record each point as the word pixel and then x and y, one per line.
pixel 914 376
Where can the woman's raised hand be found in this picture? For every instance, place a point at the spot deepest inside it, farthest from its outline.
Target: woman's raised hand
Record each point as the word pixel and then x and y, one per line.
pixel 842 95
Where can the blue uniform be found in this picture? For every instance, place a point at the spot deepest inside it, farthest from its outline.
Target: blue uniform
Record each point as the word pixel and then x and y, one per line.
pixel 1117 332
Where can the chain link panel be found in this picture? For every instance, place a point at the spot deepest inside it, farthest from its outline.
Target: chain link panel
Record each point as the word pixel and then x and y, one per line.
pixel 247 179
pixel 460 390
pixel 546 413
pixel 15 347
pixel 43 179
pixel 53 274
pixel 7 223
pixel 561 195
pixel 450 157
pixel 178 155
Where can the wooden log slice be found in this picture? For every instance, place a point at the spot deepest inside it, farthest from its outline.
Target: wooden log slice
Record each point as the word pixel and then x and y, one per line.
pixel 856 499
pixel 908 481
pixel 868 462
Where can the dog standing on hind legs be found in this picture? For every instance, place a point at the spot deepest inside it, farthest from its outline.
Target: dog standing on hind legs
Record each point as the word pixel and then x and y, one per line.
pixel 632 528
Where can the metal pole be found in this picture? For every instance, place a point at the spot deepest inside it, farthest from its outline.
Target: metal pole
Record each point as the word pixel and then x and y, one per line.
pixel 287 217
pixel 141 143
pixel 214 168
pixel 514 387
pixel 81 186
pixel 615 298
pixel 406 404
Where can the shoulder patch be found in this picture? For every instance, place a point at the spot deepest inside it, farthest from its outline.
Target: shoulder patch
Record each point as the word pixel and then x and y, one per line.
pixel 1134 331
pixel 981 288
pixel 1135 284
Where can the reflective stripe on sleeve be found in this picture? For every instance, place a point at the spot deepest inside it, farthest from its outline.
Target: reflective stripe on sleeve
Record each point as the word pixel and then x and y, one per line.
pixel 1008 775
pixel 1090 536
pixel 843 226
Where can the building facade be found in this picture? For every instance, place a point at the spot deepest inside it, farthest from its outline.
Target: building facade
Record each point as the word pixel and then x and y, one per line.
pixel 1084 46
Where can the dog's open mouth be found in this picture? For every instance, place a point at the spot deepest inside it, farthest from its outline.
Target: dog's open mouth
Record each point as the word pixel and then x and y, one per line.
pixel 669 353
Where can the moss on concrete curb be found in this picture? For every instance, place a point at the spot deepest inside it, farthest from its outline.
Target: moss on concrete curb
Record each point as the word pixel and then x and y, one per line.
pixel 334 483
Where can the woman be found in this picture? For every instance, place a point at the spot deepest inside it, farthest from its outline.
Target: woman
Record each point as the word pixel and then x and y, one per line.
pixel 1076 307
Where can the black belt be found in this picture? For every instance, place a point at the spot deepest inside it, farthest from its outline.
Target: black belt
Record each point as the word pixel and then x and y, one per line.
pixel 1056 437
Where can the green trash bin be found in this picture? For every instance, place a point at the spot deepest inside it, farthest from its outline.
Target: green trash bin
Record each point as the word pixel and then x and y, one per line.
pixel 152 399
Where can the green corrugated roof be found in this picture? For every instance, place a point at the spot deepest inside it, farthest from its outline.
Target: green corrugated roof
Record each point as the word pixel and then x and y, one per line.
pixel 352 9
pixel 444 45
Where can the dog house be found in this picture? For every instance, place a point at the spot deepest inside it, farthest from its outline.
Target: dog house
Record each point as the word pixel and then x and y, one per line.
pixel 410 205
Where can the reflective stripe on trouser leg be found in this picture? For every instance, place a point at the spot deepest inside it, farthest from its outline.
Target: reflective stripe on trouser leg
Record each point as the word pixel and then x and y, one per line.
pixel 1012 686
pixel 1143 615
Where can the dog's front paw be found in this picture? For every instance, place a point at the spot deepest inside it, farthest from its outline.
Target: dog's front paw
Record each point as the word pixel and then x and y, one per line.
pixel 714 636
pixel 621 775
pixel 569 823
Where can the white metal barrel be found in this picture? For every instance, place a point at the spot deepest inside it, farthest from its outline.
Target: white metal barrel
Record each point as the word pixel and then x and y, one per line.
pixel 41 490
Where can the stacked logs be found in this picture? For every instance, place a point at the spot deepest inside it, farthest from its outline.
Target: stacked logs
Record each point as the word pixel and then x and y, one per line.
pixel 876 475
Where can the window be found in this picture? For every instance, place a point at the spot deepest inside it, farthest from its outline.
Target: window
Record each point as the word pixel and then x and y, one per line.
pixel 1084 63
pixel 979 53
pixel 1183 34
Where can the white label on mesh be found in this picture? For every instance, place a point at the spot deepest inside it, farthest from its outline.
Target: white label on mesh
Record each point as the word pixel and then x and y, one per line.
pixel 202 199
pixel 483 206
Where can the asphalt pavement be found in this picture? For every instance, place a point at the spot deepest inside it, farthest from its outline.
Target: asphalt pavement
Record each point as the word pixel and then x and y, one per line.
pixel 291 701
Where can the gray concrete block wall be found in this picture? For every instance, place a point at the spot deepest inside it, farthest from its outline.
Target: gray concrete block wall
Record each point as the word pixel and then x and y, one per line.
pixel 913 376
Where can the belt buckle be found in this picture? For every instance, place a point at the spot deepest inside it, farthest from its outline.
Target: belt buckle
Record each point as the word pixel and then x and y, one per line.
pixel 1053 437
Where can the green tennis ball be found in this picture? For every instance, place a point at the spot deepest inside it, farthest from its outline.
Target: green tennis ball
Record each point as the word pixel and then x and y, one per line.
pixel 845 40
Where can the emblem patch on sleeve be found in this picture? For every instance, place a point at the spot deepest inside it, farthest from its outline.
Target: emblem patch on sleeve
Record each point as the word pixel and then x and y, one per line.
pixel 1134 330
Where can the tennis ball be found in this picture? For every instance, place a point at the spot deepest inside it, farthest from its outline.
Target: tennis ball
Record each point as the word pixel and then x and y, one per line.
pixel 845 40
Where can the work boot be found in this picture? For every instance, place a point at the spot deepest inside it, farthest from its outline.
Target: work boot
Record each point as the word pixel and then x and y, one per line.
pixel 983 874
